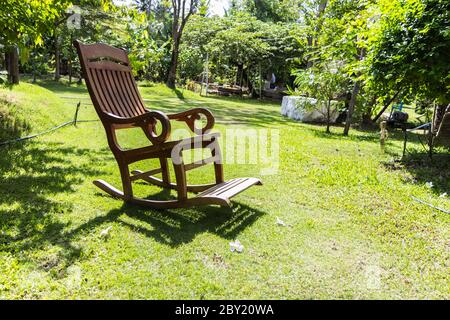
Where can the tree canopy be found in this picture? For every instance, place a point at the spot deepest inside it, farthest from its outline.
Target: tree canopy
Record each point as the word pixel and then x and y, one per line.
pixel 383 49
pixel 413 51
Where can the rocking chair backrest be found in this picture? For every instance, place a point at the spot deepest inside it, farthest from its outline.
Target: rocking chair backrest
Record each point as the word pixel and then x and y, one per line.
pixel 110 80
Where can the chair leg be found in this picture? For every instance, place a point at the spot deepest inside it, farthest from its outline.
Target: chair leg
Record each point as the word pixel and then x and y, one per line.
pixel 218 166
pixel 126 181
pixel 165 170
pixel 180 175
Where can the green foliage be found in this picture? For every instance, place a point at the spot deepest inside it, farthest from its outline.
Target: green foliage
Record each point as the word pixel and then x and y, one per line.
pixel 239 40
pixel 271 10
pixel 414 50
pixel 23 21
pixel 324 82
pixel 343 33
pixel 148 40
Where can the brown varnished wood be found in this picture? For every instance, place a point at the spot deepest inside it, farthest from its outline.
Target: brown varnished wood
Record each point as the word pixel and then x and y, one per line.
pixel 119 105
pixel 100 50
pixel 107 65
pixel 190 116
pixel 160 183
pixel 106 106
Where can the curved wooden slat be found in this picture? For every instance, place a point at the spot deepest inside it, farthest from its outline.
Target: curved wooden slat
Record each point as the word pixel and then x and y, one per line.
pixel 107 65
pixel 125 95
pixel 98 92
pixel 100 50
pixel 103 85
pixel 113 91
pixel 132 95
pixel 135 92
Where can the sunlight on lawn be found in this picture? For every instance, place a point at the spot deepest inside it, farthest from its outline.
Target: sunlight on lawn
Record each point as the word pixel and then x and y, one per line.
pixel 353 230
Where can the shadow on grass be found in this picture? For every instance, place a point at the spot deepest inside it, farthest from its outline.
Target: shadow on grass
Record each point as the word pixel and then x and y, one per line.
pixel 179 226
pixel 423 169
pixel 29 216
pixel 33 225
pixel 176 227
pixel 178 93
pixel 369 135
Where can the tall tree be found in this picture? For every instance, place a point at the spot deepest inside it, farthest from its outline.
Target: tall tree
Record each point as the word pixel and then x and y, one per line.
pixel 271 10
pixel 150 34
pixel 240 41
pixel 182 11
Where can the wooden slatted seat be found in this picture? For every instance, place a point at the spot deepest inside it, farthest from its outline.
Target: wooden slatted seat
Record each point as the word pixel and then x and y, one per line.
pixel 119 105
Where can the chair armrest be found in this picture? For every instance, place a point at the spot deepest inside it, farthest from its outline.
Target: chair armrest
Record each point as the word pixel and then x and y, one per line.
pixel 190 116
pixel 147 122
pixel 198 142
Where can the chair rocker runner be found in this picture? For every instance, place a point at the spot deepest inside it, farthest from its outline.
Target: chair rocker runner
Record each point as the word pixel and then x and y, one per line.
pixel 119 105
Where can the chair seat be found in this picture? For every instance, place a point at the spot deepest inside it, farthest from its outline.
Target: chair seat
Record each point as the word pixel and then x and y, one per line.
pixel 229 189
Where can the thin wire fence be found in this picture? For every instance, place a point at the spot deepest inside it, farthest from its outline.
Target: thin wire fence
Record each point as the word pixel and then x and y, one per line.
pixel 74 122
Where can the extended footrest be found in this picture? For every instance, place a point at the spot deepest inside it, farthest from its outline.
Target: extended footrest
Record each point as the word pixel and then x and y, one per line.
pixel 229 189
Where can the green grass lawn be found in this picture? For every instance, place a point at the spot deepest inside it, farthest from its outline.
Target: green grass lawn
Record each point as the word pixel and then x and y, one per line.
pixel 354 232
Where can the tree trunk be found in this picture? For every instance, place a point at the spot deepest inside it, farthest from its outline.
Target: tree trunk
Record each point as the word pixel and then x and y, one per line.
pixel 34 70
pixel 7 62
pixel 57 57
pixel 12 58
pixel 367 116
pixel 239 74
pixel 328 116
pixel 70 70
pixel 3 61
pixel 172 77
pixel 351 107
pixel 386 105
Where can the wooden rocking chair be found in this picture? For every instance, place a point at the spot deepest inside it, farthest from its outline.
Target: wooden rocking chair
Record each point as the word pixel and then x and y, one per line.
pixel 119 105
